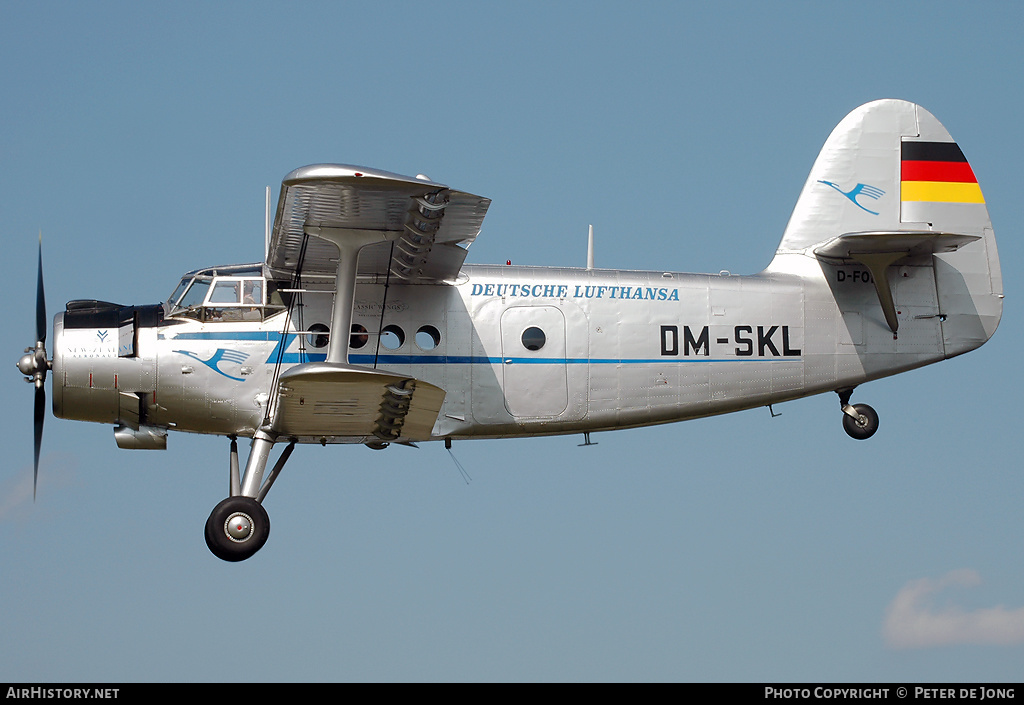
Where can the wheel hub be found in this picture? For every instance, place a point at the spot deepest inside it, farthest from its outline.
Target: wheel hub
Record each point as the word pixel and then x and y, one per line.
pixel 238 527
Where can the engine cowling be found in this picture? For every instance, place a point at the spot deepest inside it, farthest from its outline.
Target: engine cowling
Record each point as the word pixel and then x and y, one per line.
pixel 104 362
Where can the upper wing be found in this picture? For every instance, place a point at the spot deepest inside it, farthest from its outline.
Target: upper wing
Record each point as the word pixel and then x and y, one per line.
pixel 430 225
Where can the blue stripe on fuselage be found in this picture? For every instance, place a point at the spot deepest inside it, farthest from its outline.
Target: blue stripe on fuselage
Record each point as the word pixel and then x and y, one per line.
pixel 363 359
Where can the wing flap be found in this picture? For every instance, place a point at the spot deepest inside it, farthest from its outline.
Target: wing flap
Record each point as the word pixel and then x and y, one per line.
pixel 333 400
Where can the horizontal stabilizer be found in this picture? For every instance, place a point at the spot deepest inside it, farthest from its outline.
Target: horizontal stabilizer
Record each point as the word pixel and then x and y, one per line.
pixel 880 250
pixel 337 401
pixel 910 243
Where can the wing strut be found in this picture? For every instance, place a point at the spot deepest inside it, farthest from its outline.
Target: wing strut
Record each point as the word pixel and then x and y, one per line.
pixel 349 242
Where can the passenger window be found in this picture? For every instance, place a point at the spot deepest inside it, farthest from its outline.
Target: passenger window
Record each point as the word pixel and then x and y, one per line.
pixel 321 335
pixel 428 338
pixel 533 338
pixel 392 337
pixel 359 337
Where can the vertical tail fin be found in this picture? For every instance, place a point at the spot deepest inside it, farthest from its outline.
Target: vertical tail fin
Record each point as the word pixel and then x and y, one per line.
pixel 890 184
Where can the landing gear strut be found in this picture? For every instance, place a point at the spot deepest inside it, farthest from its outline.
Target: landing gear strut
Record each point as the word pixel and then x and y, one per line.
pixel 239 525
pixel 860 421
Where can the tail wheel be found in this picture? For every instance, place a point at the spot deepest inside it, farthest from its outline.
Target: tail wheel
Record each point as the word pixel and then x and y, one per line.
pixel 864 425
pixel 237 528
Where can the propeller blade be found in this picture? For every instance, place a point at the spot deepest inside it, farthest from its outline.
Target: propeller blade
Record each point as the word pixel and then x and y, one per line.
pixel 40 414
pixel 36 368
pixel 40 297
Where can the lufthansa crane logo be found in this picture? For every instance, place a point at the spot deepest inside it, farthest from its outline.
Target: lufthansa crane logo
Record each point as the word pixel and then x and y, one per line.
pixel 872 192
pixel 222 355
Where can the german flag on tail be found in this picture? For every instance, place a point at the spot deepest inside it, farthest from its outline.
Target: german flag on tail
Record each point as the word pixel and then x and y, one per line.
pixel 937 172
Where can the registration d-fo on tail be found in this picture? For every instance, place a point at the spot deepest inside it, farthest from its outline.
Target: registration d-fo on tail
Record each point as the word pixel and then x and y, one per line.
pixel 364 325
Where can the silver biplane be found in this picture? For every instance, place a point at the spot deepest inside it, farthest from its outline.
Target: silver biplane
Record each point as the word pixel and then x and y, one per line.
pixel 364 325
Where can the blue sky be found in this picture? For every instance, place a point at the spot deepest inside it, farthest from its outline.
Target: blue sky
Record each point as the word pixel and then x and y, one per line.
pixel 139 138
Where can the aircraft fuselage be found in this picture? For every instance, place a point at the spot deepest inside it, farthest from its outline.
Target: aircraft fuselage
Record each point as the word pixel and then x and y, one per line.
pixel 520 351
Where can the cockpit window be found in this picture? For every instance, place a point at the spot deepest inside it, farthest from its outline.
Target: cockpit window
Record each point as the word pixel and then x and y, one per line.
pixel 179 291
pixel 252 292
pixel 235 300
pixel 195 294
pixel 225 292
pixel 229 297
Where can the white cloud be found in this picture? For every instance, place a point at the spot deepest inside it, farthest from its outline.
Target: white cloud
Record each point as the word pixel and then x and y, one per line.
pixel 912 621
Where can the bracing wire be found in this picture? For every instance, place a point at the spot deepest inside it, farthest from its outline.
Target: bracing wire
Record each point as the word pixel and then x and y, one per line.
pixel 383 306
pixel 296 299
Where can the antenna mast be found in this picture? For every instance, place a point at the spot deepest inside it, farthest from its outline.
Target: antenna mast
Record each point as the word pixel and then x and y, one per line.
pixel 590 249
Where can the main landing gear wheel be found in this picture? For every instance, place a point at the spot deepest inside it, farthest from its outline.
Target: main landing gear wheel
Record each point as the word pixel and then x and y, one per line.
pixel 237 528
pixel 863 425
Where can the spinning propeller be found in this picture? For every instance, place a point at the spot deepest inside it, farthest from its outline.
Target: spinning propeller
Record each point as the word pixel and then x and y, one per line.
pixel 33 364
